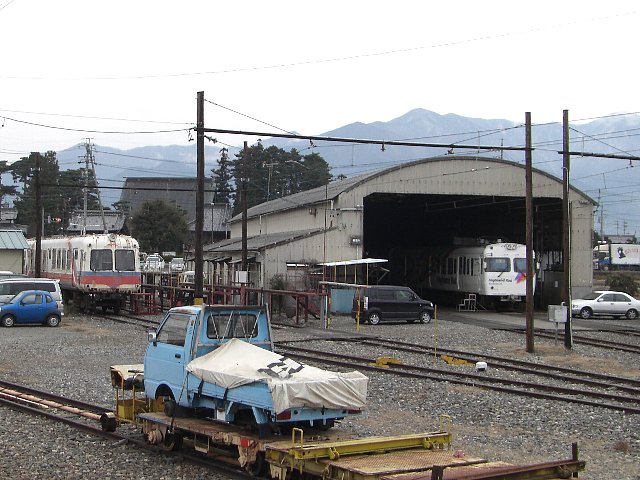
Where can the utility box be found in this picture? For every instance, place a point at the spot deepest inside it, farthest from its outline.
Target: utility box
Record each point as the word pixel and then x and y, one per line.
pixel 558 313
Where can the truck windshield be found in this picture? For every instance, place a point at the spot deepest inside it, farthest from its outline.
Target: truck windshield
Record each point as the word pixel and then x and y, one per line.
pixel 232 325
pixel 125 260
pixel 174 329
pixel 101 260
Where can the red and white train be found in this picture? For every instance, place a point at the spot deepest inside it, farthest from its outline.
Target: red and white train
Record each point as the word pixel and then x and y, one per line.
pixel 94 270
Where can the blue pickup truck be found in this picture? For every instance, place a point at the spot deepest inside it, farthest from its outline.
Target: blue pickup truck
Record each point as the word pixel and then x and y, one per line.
pixel 218 362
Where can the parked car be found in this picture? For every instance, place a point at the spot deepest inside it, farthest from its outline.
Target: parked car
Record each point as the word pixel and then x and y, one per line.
pixel 606 303
pixel 153 263
pixel 7 274
pixel 176 264
pixel 10 287
pixel 31 306
pixel 387 302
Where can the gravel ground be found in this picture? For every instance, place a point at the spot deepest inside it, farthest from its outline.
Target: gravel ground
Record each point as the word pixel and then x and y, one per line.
pixel 74 360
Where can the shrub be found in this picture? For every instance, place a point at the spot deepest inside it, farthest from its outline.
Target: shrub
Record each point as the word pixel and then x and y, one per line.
pixel 278 282
pixel 623 282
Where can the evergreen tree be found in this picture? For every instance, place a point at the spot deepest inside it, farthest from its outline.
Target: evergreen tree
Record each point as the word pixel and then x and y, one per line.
pixel 273 173
pixel 159 226
pixel 222 177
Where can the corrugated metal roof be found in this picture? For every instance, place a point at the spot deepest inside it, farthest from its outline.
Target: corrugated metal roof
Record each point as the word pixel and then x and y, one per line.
pixel 259 241
pixel 115 221
pixel 308 197
pixel 12 240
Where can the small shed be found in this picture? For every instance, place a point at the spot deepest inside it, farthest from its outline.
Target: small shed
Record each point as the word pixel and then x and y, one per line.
pixel 12 249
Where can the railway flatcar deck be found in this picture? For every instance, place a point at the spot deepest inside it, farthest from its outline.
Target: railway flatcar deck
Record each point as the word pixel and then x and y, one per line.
pixel 340 455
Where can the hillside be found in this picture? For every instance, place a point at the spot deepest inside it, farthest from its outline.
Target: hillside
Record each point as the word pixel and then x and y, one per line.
pixel 610 181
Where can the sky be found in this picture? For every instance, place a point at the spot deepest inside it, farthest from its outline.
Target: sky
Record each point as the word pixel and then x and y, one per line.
pixel 126 73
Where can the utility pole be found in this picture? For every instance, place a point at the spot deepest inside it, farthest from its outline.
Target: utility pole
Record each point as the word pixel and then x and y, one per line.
pixel 566 226
pixel 244 180
pixel 89 160
pixel 198 283
pixel 529 233
pixel 39 218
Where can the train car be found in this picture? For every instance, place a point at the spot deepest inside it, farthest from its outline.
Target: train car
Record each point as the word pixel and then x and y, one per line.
pixel 495 273
pixel 95 271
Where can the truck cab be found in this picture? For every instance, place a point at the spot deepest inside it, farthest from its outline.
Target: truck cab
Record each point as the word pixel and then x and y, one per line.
pixel 219 361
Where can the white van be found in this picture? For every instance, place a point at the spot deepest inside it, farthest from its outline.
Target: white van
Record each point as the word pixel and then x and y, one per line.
pixel 10 287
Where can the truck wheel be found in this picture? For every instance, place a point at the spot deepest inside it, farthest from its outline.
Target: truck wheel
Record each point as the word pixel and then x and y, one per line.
pixel 169 406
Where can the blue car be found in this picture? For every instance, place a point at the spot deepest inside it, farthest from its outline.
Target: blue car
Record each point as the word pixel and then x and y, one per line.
pixel 31 306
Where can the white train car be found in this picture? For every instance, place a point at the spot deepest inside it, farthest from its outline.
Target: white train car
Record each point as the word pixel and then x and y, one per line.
pixel 94 270
pixel 496 273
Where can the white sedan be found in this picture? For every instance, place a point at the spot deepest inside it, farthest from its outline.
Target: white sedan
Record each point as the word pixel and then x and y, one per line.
pixel 605 302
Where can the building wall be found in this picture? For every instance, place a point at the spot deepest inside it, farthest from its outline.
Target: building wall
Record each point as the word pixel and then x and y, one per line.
pixel 448 176
pixel 12 260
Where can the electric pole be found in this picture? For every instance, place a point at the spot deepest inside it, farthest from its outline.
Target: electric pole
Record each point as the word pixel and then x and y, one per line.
pixel 566 229
pixel 529 232
pixel 198 282
pixel 39 218
pixel 244 180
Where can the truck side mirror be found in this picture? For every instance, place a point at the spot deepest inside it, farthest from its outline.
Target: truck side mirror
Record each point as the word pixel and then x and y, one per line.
pixel 152 337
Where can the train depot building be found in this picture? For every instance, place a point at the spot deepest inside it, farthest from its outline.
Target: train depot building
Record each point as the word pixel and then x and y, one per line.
pixel 404 214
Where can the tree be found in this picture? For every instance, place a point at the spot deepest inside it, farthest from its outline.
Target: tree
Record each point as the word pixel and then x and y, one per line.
pixel 5 189
pixel 222 177
pixel 23 171
pixel 61 192
pixel 159 226
pixel 274 173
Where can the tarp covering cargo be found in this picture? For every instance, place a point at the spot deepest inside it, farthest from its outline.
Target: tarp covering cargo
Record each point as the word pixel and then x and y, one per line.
pixel 291 384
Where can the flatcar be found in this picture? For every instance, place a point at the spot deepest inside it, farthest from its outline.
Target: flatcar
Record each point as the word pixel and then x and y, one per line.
pixel 495 273
pixel 94 270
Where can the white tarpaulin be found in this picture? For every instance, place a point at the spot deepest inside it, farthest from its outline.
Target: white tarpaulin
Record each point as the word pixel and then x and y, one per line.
pixel 291 384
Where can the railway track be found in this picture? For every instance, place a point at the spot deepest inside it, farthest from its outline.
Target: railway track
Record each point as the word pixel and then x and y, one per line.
pixel 615 393
pixel 92 419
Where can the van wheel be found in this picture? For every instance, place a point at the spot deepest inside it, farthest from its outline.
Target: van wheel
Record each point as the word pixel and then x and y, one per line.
pixel 53 321
pixel 8 321
pixel 425 316
pixel 374 318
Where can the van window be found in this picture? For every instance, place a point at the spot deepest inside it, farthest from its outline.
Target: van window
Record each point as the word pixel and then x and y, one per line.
pixel 385 294
pixel 101 260
pixel 46 286
pixel 125 260
pixel 17 287
pixel 5 289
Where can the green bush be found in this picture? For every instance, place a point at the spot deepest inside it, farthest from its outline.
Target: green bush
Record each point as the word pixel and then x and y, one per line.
pixel 623 282
pixel 278 282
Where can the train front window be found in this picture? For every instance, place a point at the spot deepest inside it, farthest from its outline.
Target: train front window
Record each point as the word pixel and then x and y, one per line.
pixel 101 260
pixel 520 265
pixel 497 264
pixel 125 260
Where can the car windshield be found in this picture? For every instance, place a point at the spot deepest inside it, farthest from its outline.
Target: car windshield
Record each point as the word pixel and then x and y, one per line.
pixel 592 296
pixel 15 299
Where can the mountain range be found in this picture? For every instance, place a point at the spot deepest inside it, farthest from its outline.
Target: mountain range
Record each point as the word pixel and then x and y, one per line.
pixel 610 181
